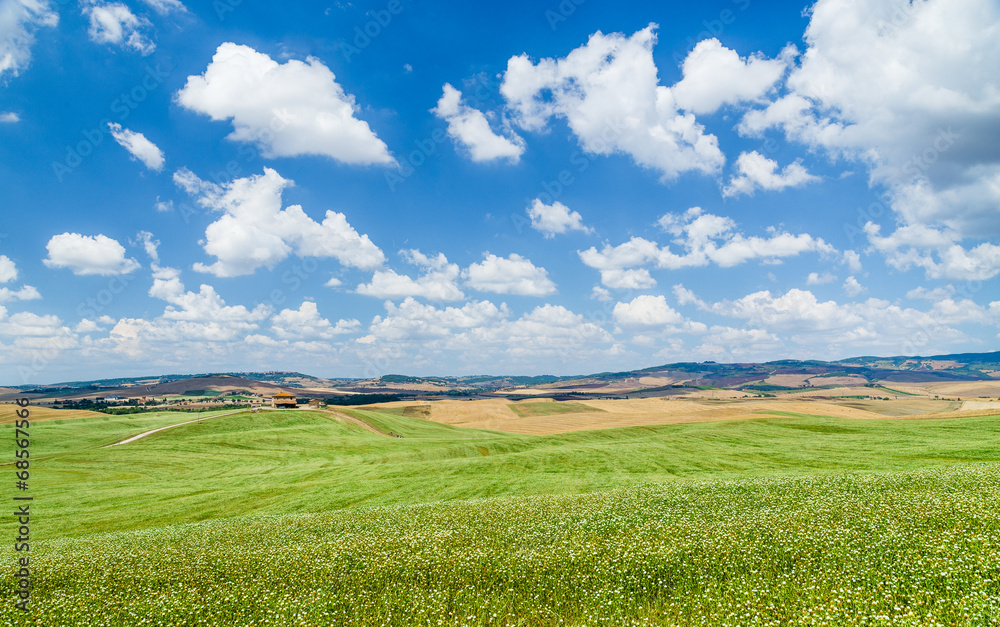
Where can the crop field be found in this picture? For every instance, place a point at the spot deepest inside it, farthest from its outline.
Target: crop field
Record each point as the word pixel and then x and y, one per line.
pixel 306 518
pixel 545 417
pixel 549 408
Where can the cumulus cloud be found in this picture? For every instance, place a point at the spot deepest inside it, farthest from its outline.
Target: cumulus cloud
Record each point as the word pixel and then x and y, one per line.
pixel 923 117
pixel 26 292
pixel 413 332
pixel 19 20
pixel 138 146
pixel 755 171
pixel 470 128
pixel 609 94
pixel 305 323
pixel 852 287
pixel 852 260
pixel 715 76
pixel 8 273
pixel 437 282
pixel 816 278
pixel 32 332
pixel 286 109
pixel 8 269
pixel 9 117
pixel 803 322
pixel 646 311
pixel 254 231
pixel 937 251
pixel 512 275
pixel 114 23
pixel 88 254
pixel 555 218
pixel 704 239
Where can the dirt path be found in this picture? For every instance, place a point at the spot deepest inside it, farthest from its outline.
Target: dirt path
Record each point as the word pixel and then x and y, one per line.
pixel 353 420
pixel 144 434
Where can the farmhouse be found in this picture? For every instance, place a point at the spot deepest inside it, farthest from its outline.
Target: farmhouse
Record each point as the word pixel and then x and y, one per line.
pixel 283 400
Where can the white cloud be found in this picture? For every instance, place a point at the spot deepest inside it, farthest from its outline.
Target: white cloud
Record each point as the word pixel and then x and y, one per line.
pixel 853 260
pixel 163 206
pixel 923 116
pixel 469 127
pixel 8 269
pixel 114 23
pixel 165 7
pixel 9 117
pixel 255 231
pixel 715 76
pixel 412 332
pixel 8 273
pixel 705 239
pixel 32 332
pixel 86 254
pixel 150 245
pixel 189 319
pixel 939 293
pixel 687 297
pixel 138 146
pixel 513 275
pixel 754 171
pixel 730 343
pixel 816 278
pixel 601 294
pixel 646 311
pixel 26 292
pixel 438 281
pixel 555 218
pixel 807 324
pixel 852 287
pixel 19 19
pixel 607 91
pixel 411 320
pixel 290 109
pixel 305 323
pixel 936 251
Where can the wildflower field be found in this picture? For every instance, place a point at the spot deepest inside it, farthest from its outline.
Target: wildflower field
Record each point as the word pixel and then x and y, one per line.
pixel 294 519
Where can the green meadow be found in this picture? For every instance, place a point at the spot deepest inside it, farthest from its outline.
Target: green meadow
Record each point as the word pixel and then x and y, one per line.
pixel 300 518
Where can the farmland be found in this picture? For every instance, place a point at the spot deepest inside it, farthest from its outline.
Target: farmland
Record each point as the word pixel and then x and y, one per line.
pixel 306 517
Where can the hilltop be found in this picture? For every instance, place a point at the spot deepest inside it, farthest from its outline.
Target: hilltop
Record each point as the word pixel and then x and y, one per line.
pixel 966 374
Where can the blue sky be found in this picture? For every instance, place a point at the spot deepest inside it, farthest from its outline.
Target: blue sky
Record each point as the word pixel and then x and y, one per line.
pixel 353 189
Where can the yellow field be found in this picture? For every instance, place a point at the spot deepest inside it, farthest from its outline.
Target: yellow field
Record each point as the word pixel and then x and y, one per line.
pixel 958 389
pixel 497 415
pixel 8 416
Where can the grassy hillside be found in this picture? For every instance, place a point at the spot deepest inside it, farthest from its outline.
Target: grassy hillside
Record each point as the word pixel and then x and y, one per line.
pixel 305 518
pixel 912 548
pixel 302 461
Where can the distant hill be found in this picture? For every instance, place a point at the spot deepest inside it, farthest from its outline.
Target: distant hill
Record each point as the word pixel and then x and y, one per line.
pixel 658 380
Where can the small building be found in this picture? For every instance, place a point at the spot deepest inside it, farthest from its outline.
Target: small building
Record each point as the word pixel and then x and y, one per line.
pixel 283 400
pixel 315 402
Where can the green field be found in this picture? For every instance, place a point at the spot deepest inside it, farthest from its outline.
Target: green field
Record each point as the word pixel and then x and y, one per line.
pixel 298 518
pixel 549 408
